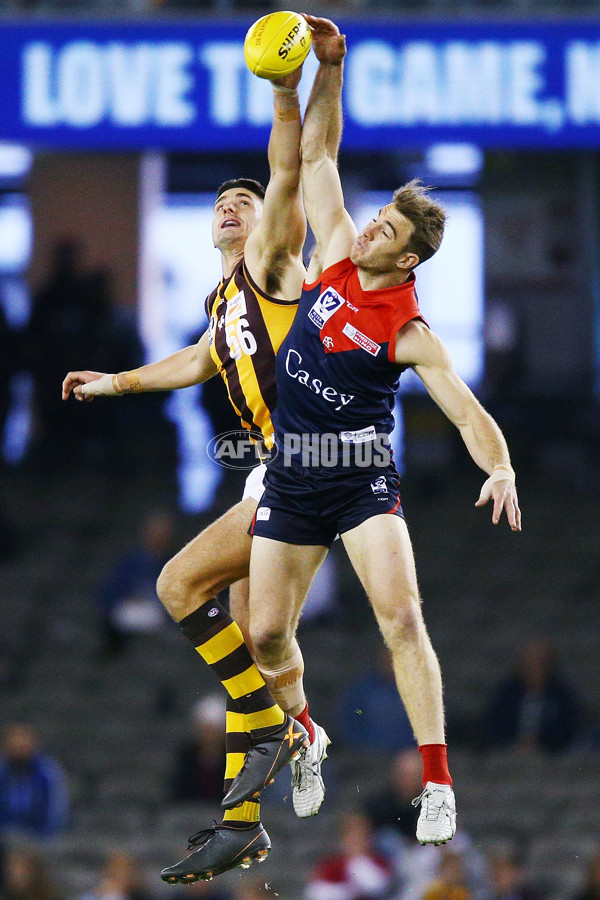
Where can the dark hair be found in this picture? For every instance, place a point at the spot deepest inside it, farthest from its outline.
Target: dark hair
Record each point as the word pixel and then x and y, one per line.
pixel 250 184
pixel 427 218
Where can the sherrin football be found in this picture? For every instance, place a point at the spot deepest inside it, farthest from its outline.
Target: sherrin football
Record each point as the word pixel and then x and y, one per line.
pixel 277 44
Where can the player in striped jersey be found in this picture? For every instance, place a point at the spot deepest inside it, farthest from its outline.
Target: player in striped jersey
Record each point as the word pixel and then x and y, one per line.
pixel 250 312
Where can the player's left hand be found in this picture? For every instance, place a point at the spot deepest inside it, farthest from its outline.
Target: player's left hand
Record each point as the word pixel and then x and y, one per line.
pixel 503 492
pixel 327 42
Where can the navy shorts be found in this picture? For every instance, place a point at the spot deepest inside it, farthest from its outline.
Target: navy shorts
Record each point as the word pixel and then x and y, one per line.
pixel 312 505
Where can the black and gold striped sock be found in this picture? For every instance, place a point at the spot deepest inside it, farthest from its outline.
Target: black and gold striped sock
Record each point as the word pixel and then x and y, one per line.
pixel 237 743
pixel 220 643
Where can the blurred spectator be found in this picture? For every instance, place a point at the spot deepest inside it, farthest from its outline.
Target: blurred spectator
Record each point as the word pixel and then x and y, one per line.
pixel 200 765
pixel 33 791
pixel 507 872
pixel 121 879
pixel 356 871
pixel 392 807
pixel 371 713
pixel 451 882
pixel 66 330
pixel 591 887
pixel 26 876
pixel 128 602
pixel 534 708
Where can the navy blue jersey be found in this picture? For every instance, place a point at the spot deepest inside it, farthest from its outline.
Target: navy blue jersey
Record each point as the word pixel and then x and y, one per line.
pixel 335 369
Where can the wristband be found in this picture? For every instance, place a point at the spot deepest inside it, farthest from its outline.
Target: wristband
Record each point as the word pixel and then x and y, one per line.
pixel 133 384
pixel 284 90
pixel 500 468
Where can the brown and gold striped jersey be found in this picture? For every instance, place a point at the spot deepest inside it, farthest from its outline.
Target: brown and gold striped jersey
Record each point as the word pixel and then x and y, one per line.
pixel 245 330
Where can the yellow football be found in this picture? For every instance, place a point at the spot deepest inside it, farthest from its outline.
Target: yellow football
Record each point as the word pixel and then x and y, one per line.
pixel 277 44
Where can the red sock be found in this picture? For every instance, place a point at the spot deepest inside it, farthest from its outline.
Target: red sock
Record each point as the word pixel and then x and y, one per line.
pixel 435 764
pixel 306 720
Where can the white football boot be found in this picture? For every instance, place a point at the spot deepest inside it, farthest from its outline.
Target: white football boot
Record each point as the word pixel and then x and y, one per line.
pixel 308 788
pixel 437 820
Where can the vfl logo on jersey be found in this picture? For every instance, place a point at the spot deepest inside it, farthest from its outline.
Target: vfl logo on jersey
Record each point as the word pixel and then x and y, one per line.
pixel 236 307
pixel 379 486
pixel 211 331
pixel 366 343
pixel 329 301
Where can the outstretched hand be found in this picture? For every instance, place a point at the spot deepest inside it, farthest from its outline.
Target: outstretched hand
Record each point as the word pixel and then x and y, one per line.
pixel 327 42
pixel 290 81
pixel 99 383
pixel 504 494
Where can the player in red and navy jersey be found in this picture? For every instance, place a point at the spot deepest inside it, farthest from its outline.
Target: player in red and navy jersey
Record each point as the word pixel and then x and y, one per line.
pixel 357 328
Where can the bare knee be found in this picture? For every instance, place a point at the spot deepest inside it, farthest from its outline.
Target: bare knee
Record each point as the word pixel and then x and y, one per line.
pixel 180 590
pixel 404 626
pixel 271 645
pixel 169 590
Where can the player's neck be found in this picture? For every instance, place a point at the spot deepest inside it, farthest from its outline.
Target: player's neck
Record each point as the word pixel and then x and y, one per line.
pixel 378 281
pixel 229 260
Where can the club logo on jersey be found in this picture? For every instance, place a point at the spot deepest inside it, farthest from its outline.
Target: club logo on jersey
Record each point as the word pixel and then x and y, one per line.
pixel 236 307
pixel 363 341
pixel 328 302
pixel 379 486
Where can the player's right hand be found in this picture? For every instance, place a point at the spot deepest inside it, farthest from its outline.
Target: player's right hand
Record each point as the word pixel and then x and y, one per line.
pixel 87 385
pixel 290 81
pixel 327 42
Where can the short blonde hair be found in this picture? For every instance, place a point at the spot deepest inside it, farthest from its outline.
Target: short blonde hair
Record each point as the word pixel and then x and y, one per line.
pixel 427 218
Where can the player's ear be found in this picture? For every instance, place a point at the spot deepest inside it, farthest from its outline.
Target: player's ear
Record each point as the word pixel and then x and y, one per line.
pixel 407 260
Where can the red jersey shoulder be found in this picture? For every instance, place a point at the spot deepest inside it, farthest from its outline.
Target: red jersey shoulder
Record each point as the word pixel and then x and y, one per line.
pixel 350 318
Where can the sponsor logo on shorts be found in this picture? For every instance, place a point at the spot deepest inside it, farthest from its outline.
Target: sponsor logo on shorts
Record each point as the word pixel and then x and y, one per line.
pixel 263 514
pixel 363 341
pixel 379 486
pixel 323 309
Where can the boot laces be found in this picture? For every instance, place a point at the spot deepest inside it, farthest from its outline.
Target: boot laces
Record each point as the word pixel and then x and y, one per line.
pixel 201 837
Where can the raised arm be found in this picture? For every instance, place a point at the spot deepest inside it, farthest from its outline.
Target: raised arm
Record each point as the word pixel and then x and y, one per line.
pixel 192 365
pixel 420 348
pixel 280 235
pixel 331 225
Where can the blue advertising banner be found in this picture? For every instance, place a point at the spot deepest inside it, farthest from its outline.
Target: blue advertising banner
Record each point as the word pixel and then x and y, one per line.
pixel 121 85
